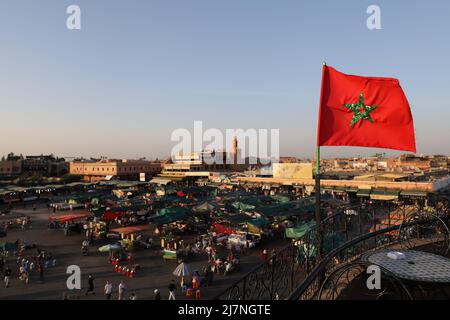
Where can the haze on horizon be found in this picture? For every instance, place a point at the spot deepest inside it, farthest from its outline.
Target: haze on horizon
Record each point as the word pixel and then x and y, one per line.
pixel 138 70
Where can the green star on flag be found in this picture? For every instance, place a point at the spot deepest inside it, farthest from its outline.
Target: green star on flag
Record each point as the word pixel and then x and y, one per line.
pixel 360 110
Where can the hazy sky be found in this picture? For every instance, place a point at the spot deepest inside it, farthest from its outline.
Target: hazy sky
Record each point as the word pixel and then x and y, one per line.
pixel 139 69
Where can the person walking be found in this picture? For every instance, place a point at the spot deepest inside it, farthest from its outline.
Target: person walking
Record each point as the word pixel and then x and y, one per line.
pixel 264 255
pixel 157 294
pixel 90 285
pixel 40 270
pixel 122 289
pixel 7 276
pixel 172 288
pixel 108 290
pixel 2 264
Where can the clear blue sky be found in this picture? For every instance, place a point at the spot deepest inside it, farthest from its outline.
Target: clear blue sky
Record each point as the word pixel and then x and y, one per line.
pixel 140 69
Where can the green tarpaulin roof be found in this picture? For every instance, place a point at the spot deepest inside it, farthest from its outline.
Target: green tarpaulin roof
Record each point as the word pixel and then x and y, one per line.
pixel 239 205
pixel 363 193
pixel 385 192
pixel 169 218
pixel 129 208
pixel 173 210
pixel 259 222
pixel 237 219
pixel 299 231
pixel 279 198
pixel 276 209
pixel 330 242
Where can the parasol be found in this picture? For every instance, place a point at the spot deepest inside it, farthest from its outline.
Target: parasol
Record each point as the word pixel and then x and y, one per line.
pixel 183 270
pixel 110 248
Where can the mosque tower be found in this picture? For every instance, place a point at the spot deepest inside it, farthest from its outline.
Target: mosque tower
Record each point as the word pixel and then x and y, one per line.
pixel 235 154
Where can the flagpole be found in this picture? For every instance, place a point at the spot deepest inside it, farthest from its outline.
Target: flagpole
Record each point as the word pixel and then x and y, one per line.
pixel 317 196
pixel 317 184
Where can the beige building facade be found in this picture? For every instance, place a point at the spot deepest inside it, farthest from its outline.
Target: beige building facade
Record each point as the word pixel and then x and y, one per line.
pixel 129 169
pixel 292 170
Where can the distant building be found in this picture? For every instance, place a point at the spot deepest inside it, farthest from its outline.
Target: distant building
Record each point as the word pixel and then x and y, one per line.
pixel 340 164
pixel 9 168
pixel 125 169
pixel 388 177
pixel 440 162
pixel 47 165
pixel 361 165
pixel 198 164
pixel 292 170
pixel 289 160
pixel 203 163
pixel 410 162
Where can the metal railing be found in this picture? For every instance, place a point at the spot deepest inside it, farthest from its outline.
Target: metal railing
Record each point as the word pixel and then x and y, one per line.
pixel 283 272
pixel 414 230
pixel 297 269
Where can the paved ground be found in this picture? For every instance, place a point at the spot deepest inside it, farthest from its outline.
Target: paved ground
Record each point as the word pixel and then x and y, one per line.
pixel 154 273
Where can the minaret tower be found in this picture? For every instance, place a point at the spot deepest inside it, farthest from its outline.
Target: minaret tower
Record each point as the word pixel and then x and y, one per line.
pixel 235 154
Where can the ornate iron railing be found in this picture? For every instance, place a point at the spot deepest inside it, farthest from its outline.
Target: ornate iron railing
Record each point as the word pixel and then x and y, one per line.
pixel 420 229
pixel 299 268
pixel 278 277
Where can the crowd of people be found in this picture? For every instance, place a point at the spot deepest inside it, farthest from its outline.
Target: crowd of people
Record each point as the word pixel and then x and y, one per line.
pixel 27 265
pixel 23 223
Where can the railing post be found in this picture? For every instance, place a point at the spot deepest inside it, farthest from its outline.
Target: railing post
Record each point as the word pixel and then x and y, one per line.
pixel 244 289
pixel 374 221
pixel 291 287
pixel 359 221
pixel 389 214
pixel 346 226
pixel 272 277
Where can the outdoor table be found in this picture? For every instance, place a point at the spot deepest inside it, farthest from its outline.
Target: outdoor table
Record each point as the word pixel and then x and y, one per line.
pixel 429 272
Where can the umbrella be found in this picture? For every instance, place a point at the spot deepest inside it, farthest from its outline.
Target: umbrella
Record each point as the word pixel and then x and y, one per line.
pixel 110 248
pixel 183 270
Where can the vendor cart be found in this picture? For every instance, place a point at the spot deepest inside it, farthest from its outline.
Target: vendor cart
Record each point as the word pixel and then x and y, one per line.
pixel 176 255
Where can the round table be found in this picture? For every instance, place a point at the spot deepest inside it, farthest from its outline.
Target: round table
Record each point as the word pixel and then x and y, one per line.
pixel 415 266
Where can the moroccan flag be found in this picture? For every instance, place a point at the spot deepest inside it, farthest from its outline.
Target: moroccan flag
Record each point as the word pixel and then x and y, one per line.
pixel 364 112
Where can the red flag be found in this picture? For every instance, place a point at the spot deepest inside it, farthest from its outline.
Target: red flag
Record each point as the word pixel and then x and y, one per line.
pixel 365 112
